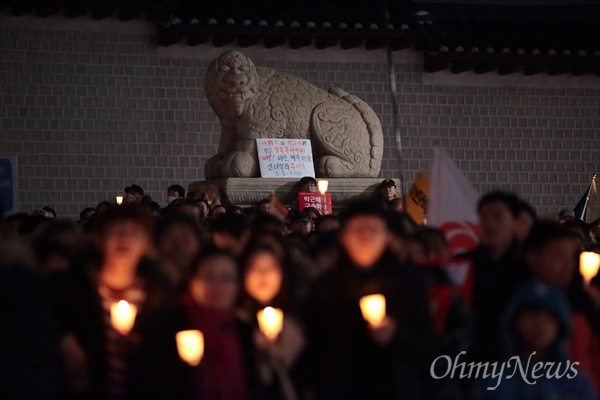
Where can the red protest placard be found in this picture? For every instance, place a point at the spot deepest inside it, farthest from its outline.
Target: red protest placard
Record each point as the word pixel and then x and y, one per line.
pixel 322 203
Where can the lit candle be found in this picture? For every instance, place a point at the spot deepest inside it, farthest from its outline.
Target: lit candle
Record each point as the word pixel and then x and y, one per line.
pixel 270 322
pixel 589 262
pixel 122 316
pixel 323 185
pixel 373 309
pixel 119 200
pixel 190 346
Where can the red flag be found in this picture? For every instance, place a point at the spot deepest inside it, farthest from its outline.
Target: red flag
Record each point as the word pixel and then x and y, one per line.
pixel 278 209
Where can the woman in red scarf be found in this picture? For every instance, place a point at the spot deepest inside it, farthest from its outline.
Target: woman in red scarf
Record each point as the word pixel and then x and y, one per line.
pixel 224 373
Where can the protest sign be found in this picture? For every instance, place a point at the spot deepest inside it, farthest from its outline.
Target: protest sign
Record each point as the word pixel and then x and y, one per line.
pixel 322 203
pixel 282 158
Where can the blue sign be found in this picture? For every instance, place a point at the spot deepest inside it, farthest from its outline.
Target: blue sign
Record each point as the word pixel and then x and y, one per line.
pixel 8 183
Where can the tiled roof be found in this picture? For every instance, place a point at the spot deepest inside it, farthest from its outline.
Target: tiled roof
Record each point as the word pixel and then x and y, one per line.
pixel 509 39
pixel 295 23
pixel 505 39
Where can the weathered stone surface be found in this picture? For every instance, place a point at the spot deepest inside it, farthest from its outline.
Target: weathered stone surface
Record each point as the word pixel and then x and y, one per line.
pixel 253 102
pixel 249 191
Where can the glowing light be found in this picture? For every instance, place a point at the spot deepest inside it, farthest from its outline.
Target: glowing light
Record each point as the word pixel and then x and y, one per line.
pixel 373 309
pixel 323 185
pixel 589 263
pixel 270 322
pixel 190 346
pixel 122 316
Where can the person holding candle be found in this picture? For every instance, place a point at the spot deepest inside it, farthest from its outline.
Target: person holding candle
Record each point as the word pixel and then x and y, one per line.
pixel 551 255
pixel 107 361
pixel 266 283
pixel 226 371
pixel 346 357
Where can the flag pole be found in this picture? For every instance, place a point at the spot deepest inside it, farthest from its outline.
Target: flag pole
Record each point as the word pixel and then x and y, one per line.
pixel 582 205
pixel 393 92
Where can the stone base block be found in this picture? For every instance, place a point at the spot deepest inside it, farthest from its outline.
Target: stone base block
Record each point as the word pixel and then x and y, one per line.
pixel 249 191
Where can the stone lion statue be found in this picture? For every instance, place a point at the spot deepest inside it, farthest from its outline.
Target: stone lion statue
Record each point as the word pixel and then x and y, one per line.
pixel 253 102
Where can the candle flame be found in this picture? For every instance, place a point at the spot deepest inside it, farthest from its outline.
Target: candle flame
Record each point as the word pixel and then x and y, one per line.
pixel 589 263
pixel 323 185
pixel 122 316
pixel 190 346
pixel 373 309
pixel 270 322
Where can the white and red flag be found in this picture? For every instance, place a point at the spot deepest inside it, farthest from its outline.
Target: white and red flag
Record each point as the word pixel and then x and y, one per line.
pixel 452 204
pixel 453 209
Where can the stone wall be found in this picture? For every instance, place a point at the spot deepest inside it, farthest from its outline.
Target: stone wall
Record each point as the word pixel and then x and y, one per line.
pixel 90 107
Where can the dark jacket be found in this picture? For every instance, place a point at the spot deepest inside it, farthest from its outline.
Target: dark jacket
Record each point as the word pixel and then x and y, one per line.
pixel 493 284
pixel 342 361
pixel 29 337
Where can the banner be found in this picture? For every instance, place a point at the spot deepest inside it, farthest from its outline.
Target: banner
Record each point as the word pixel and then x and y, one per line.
pixel 418 198
pixel 452 204
pixel 282 158
pixel 8 183
pixel 322 203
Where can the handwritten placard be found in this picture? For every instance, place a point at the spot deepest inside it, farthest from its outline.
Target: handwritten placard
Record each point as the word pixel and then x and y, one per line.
pixel 281 158
pixel 322 203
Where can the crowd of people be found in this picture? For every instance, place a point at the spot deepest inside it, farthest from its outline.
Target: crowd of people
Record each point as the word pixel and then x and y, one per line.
pixel 520 298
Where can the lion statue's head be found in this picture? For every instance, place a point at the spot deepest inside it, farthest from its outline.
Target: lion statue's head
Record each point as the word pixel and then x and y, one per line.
pixel 230 82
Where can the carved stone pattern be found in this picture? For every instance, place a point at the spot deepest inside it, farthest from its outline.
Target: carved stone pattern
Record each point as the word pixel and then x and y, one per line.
pixel 346 135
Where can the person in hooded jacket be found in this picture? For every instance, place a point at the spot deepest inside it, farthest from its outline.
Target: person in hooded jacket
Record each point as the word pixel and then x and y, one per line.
pixel 536 327
pixel 552 255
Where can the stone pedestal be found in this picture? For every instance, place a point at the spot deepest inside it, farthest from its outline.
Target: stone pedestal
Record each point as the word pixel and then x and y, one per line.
pixel 246 192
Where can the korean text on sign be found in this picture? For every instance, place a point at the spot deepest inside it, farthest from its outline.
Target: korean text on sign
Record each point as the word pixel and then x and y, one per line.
pixel 282 158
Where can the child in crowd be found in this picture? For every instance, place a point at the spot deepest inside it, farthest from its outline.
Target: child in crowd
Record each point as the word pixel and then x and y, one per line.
pixel 552 256
pixel 536 326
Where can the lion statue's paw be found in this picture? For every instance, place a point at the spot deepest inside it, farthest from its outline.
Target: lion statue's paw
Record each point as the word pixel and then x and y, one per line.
pixel 239 165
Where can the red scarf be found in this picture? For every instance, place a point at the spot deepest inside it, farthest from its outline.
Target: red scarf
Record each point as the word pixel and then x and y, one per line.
pixel 222 375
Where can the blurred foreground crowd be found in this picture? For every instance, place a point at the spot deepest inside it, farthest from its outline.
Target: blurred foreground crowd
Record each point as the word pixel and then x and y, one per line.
pixel 194 265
